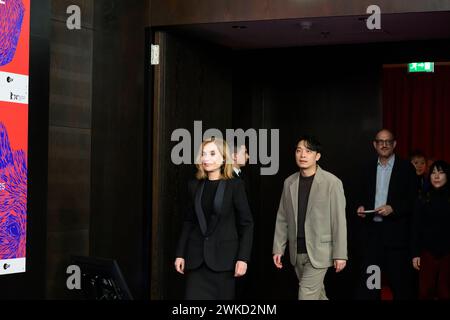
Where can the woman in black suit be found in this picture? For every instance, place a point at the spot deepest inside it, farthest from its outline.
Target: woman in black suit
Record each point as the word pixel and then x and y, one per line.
pixel 216 239
pixel 431 237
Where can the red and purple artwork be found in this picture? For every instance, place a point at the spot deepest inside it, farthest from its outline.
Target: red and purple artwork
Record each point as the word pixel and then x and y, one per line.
pixel 14 73
pixel 13 199
pixel 12 13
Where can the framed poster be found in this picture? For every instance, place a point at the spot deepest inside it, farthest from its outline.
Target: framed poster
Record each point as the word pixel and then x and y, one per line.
pixel 14 73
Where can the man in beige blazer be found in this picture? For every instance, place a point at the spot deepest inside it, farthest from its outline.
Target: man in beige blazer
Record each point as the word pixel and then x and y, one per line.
pixel 311 217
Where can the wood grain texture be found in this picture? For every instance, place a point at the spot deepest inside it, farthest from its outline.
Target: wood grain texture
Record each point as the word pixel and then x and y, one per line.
pixel 70 76
pixel 118 139
pixel 59 11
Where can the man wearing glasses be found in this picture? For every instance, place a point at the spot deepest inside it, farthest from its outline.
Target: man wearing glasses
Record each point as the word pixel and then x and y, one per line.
pixel 386 203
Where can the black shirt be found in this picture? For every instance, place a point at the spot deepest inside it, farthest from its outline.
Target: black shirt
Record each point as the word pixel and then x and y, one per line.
pixel 209 193
pixel 431 223
pixel 304 187
pixel 423 185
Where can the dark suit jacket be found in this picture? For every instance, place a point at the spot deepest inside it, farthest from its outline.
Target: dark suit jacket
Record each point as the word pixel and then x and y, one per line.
pixel 244 177
pixel 401 197
pixel 229 235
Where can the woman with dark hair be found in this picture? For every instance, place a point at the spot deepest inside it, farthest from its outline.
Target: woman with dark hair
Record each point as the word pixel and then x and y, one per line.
pixel 216 239
pixel 431 236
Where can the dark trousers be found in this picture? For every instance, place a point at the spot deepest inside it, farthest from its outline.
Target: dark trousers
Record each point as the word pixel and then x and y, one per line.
pixel 205 284
pixel 395 265
pixel 434 277
pixel 243 289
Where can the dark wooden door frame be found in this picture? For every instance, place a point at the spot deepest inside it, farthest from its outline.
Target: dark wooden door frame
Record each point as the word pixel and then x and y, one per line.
pixel 156 167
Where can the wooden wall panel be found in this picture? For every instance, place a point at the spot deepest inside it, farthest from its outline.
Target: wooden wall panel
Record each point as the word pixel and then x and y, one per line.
pixel 69 154
pixel 117 229
pixel 59 11
pixel 69 182
pixel 71 77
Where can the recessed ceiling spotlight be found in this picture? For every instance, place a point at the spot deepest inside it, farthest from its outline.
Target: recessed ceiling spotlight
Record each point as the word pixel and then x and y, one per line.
pixel 306 25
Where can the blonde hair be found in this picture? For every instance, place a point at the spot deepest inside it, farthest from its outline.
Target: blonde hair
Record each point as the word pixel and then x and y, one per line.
pixel 226 170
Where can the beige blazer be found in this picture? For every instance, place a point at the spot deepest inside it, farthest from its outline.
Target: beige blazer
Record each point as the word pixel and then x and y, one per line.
pixel 325 222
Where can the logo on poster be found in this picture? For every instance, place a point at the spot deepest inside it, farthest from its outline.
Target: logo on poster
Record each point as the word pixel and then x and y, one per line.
pixel 16 97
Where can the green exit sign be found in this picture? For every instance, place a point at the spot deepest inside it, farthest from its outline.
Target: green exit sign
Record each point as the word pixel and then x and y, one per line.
pixel 421 67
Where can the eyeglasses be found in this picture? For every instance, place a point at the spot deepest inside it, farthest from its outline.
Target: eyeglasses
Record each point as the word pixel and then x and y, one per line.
pixel 386 142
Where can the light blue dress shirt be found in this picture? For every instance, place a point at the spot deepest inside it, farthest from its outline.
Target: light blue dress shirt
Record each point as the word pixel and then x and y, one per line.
pixel 383 178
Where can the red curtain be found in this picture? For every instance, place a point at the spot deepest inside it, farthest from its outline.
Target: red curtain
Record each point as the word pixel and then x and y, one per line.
pixel 416 106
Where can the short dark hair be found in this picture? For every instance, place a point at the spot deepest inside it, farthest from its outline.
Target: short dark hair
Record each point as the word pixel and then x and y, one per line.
pixel 440 165
pixel 311 143
pixel 417 154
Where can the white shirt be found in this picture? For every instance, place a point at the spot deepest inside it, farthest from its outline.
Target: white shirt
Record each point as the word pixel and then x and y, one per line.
pixel 382 188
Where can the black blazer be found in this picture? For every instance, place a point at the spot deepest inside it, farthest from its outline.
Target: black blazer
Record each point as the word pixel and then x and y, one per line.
pixel 244 177
pixel 402 194
pixel 229 235
pixel 431 219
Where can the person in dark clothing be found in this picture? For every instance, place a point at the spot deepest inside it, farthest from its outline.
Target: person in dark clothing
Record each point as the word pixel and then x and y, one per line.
pixel 419 161
pixel 240 158
pixel 216 238
pixel 430 241
pixel 386 202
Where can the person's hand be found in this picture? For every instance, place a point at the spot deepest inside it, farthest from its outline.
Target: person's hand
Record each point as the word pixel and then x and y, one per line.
pixel 384 210
pixel 339 265
pixel 240 268
pixel 277 260
pixel 360 212
pixel 416 263
pixel 179 265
